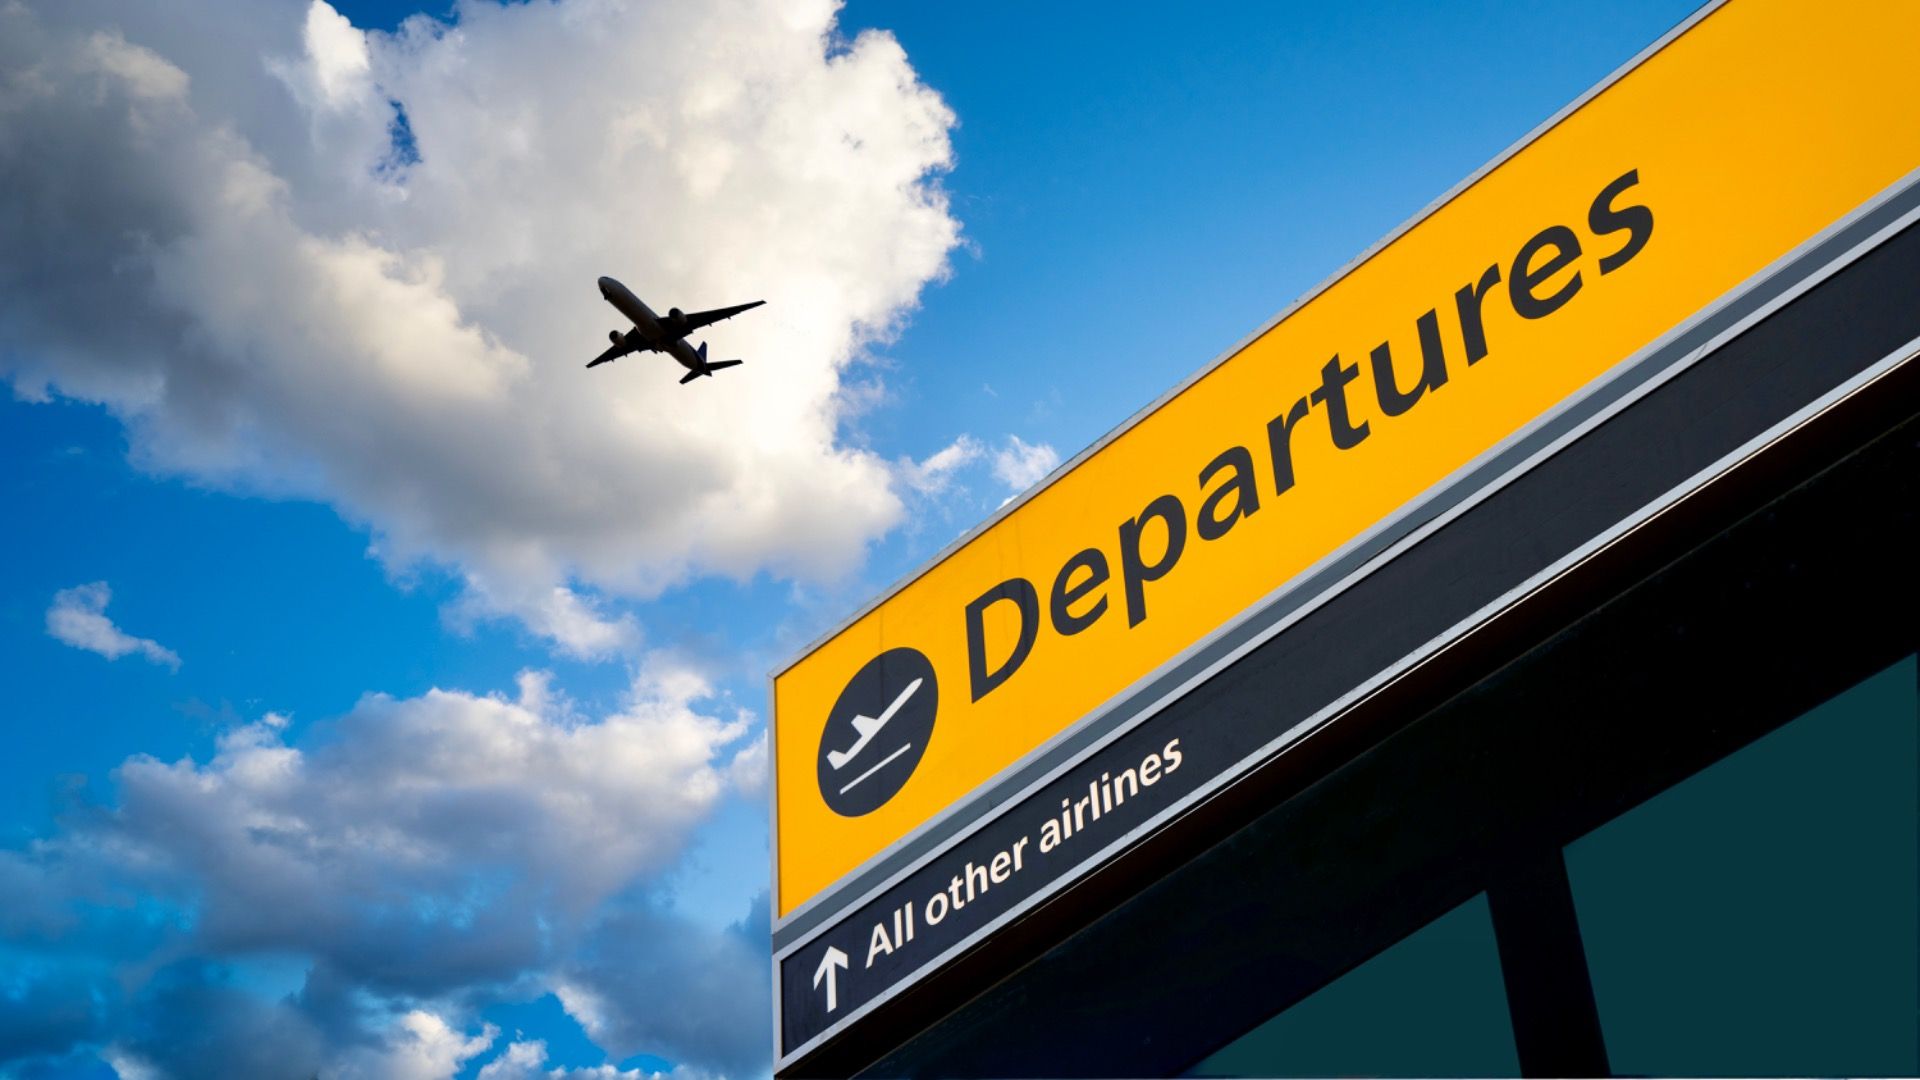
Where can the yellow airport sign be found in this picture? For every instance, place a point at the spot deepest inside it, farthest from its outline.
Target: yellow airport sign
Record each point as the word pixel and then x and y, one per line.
pixel 1749 133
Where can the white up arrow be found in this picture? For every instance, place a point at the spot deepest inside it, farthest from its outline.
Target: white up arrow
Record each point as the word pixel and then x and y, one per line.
pixel 834 959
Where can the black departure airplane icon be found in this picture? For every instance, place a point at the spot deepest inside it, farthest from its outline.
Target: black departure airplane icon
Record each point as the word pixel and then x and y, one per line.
pixel 877 731
pixel 651 333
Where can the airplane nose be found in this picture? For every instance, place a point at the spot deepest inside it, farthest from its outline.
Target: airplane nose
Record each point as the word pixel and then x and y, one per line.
pixel 606 283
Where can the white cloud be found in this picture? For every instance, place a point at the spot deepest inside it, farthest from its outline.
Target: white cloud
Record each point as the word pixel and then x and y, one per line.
pixel 932 475
pixel 139 71
pixel 214 235
pixel 641 982
pixel 78 618
pixel 527 1060
pixel 416 858
pixel 1020 464
pixel 421 1047
pixel 199 1028
pixel 748 770
pixel 338 60
pixel 127 1066
pixel 351 846
pixel 575 624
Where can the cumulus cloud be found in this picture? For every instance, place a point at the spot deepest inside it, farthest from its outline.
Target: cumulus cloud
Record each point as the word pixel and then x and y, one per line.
pixel 748 770
pixel 192 1020
pixel 640 981
pixel 527 1060
pixel 78 618
pixel 575 624
pixel 1020 464
pixel 189 1020
pixel 934 474
pixel 495 807
pixel 421 1047
pixel 1017 464
pixel 411 860
pixel 299 258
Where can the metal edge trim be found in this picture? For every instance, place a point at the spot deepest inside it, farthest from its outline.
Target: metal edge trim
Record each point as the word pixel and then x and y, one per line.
pixel 773 861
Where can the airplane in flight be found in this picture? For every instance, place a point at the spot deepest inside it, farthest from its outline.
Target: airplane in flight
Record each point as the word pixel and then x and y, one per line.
pixel 651 333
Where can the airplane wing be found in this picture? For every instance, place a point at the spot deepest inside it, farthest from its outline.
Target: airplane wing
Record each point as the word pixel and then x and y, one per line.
pixel 698 319
pixel 614 353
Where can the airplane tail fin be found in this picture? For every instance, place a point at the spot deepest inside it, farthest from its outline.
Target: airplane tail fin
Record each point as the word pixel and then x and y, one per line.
pixel 706 368
pixel 709 369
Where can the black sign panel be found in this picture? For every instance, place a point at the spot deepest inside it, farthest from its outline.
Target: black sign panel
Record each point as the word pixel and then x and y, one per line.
pixel 1062 826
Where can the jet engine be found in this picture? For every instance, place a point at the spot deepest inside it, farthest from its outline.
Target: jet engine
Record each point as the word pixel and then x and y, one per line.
pixel 677 321
pixel 613 336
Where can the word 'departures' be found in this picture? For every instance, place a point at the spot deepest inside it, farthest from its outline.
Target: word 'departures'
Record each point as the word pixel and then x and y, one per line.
pixel 1548 272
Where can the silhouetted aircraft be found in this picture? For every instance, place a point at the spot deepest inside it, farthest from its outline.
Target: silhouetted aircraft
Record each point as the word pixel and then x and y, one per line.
pixel 651 333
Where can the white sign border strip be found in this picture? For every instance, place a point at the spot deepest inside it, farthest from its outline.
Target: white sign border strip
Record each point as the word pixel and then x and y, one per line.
pixel 1459 631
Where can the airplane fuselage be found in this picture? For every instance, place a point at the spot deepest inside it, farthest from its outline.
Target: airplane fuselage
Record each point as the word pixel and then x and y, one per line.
pixel 653 332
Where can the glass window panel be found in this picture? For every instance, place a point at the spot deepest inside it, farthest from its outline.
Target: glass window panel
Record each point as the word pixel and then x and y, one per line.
pixel 1763 916
pixel 1431 1005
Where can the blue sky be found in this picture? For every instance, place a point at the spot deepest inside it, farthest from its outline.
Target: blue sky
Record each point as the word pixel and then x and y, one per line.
pixel 1133 190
